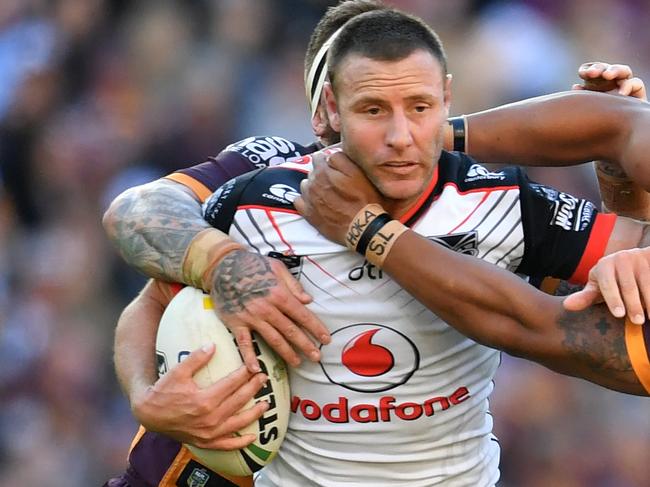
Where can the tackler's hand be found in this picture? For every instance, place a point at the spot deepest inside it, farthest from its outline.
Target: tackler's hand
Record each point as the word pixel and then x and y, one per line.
pixel 622 281
pixel 206 418
pixel 256 293
pixel 334 193
pixel 611 78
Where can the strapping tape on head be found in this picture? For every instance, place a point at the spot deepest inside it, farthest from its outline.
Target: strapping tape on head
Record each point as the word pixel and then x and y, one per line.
pixel 317 73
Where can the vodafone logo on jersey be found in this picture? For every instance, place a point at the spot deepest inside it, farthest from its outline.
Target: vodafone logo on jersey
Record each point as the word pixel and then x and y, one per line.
pixel 372 358
pixel 368 357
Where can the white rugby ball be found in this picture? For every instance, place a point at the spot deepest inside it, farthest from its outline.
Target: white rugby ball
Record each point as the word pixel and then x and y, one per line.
pixel 189 322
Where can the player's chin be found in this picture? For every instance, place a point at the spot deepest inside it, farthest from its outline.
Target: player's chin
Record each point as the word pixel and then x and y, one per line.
pixel 406 189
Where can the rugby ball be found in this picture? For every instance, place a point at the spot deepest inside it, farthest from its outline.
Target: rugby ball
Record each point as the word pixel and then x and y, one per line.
pixel 188 323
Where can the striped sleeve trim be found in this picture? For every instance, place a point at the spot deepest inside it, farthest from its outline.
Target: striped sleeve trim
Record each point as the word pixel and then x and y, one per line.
pixel 200 190
pixel 637 340
pixel 598 238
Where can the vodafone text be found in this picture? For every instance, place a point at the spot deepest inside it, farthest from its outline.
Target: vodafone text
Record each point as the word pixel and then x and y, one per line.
pixel 385 410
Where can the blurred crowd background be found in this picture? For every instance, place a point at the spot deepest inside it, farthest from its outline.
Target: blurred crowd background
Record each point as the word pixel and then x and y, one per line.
pixel 100 95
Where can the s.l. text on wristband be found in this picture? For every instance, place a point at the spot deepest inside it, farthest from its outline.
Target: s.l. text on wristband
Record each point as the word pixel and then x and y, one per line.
pixel 382 242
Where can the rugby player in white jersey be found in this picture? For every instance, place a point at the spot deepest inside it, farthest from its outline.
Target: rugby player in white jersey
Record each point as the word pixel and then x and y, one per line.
pixel 195 364
pixel 399 397
pixel 400 412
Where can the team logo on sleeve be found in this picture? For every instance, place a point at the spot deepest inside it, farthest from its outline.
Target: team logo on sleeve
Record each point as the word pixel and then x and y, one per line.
pixel 571 213
pixel 265 151
pixel 283 193
pixel 463 243
pixel 477 172
pixel 198 478
pixel 216 202
pixel 367 357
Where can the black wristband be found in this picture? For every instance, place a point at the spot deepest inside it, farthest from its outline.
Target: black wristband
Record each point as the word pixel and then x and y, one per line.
pixel 370 231
pixel 458 126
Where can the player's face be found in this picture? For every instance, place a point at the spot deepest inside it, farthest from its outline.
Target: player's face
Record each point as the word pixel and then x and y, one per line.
pixel 391 115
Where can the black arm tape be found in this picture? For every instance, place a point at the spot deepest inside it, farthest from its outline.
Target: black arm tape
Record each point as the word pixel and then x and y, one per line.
pixel 370 231
pixel 458 125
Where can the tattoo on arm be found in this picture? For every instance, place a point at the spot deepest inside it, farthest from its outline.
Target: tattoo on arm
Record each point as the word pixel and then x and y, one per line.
pixel 565 288
pixel 239 278
pixel 611 169
pixel 595 338
pixel 152 226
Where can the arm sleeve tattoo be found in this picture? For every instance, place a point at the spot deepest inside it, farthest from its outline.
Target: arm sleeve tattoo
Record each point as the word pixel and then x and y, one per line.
pixel 152 226
pixel 241 277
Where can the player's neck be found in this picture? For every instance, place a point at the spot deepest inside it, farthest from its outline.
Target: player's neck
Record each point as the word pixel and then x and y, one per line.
pixel 403 206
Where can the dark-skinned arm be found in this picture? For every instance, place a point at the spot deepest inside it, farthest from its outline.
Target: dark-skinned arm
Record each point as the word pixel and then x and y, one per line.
pixel 482 301
pixel 498 309
pixel 563 129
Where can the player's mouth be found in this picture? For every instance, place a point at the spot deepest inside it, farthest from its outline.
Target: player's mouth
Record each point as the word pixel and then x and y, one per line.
pixel 402 168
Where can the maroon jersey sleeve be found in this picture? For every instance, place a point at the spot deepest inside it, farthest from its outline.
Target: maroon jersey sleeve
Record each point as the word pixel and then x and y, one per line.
pixel 237 159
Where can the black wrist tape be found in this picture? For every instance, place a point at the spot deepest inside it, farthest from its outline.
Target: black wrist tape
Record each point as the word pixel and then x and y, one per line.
pixel 370 231
pixel 458 126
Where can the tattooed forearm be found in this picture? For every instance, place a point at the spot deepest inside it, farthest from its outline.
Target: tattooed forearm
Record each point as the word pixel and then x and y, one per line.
pixel 565 288
pixel 240 277
pixel 596 339
pixel 152 226
pixel 611 169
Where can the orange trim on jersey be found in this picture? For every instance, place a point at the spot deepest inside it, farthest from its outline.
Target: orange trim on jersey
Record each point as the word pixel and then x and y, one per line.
pixel 638 351
pixel 176 468
pixel 549 285
pixel 423 197
pixel 184 457
pixel 138 436
pixel 200 190
pixel 598 238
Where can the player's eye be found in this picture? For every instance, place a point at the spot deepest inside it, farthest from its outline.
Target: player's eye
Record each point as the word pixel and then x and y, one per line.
pixel 373 111
pixel 421 108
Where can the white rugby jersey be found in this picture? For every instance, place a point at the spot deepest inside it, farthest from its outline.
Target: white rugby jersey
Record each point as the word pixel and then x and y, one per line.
pixel 400 397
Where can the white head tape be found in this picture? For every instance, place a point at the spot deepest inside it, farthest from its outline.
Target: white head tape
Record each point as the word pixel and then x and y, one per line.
pixel 317 73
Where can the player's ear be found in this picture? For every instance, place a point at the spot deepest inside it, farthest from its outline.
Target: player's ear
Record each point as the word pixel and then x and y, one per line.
pixel 332 107
pixel 319 122
pixel 447 92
